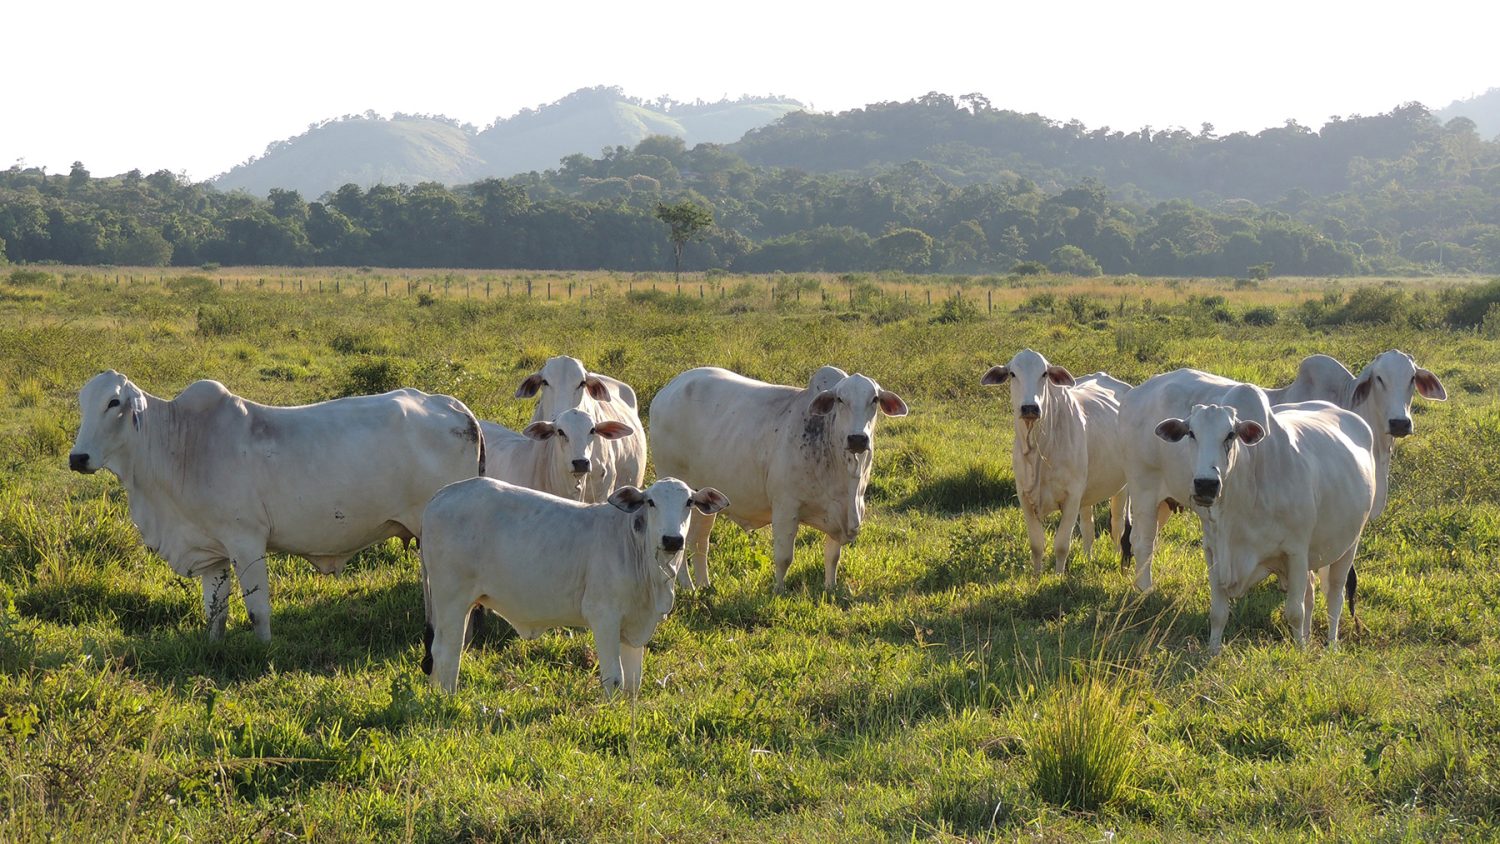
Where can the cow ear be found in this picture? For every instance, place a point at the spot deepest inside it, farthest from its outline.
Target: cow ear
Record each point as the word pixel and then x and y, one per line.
pixel 709 500
pixel 1249 431
pixel 890 403
pixel 996 376
pixel 539 431
pixel 1429 386
pixel 598 390
pixel 628 498
pixel 823 403
pixel 612 430
pixel 137 407
pixel 1059 376
pixel 1172 430
pixel 1361 391
pixel 529 387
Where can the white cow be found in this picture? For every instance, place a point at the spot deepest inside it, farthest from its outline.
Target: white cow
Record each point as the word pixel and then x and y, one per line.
pixel 564 384
pixel 541 562
pixel 1066 453
pixel 1287 496
pixel 216 481
pixel 784 456
pixel 561 457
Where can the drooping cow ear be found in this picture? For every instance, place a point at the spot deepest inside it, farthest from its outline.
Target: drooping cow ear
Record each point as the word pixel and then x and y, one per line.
pixel 1249 431
pixel 529 387
pixel 628 498
pixel 996 376
pixel 1172 430
pixel 137 407
pixel 598 390
pixel 1059 376
pixel 539 431
pixel 612 430
pixel 890 403
pixel 1361 391
pixel 1429 387
pixel 823 403
pixel 709 500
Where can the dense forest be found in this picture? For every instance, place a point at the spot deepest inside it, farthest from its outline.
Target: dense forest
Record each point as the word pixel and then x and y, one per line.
pixel 931 185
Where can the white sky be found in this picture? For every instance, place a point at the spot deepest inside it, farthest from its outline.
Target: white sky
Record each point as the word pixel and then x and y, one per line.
pixel 200 86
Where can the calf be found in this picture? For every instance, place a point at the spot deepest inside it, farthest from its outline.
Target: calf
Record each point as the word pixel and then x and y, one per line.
pixel 1287 496
pixel 560 457
pixel 1066 453
pixel 564 384
pixel 541 562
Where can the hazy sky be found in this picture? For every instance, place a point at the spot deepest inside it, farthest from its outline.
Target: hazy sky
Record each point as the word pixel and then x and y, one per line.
pixel 201 86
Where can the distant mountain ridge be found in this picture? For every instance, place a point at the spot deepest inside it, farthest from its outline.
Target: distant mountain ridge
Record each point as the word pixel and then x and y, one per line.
pixel 369 149
pixel 1483 109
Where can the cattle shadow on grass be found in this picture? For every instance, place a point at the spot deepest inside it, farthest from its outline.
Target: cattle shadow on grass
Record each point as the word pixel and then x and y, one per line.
pixel 975 488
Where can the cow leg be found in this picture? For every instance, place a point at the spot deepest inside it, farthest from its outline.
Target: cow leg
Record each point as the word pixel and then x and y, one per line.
pixel 1143 521
pixel 1296 596
pixel 445 634
pixel 831 552
pixel 783 546
pixel 700 525
pixel 216 583
pixel 1086 531
pixel 1117 518
pixel 1062 541
pixel 1218 616
pixel 1036 531
pixel 632 660
pixel 1333 593
pixel 255 588
pixel 607 643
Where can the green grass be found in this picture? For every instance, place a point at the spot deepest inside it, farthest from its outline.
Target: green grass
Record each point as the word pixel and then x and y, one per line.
pixel 942 693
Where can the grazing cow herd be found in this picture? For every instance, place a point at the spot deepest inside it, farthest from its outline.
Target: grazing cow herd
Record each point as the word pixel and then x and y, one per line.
pixel 550 526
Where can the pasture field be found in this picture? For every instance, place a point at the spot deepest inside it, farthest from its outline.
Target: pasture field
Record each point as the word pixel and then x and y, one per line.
pixel 941 694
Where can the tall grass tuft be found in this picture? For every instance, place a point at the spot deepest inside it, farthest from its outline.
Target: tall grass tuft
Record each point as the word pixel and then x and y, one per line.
pixel 1085 746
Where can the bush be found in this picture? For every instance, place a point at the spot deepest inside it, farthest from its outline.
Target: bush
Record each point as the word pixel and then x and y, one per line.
pixel 957 309
pixel 1029 268
pixel 426 300
pixel 371 376
pixel 29 278
pixel 1084 747
pixel 1261 315
pixel 1467 311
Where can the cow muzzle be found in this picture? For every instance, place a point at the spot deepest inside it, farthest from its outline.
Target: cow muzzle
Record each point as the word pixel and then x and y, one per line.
pixel 671 544
pixel 859 443
pixel 1400 427
pixel 581 467
pixel 1205 491
pixel 80 463
pixel 1030 412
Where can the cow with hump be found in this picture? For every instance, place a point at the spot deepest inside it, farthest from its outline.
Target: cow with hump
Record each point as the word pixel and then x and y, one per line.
pixel 1066 453
pixel 785 456
pixel 541 562
pixel 1284 492
pixel 564 384
pixel 214 481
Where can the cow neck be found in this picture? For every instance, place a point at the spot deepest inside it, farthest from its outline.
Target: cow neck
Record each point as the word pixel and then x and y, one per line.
pixel 653 589
pixel 553 469
pixel 1060 420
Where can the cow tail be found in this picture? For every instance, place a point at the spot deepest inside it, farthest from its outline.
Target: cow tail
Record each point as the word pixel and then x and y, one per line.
pixel 1350 585
pixel 1126 553
pixel 481 447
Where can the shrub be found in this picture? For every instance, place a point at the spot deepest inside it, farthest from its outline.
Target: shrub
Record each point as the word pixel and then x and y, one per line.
pixel 1261 315
pixel 1467 311
pixel 1029 268
pixel 957 309
pixel 1084 747
pixel 371 376
pixel 29 278
pixel 426 300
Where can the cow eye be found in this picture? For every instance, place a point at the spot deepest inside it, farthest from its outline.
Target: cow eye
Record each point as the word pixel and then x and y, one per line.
pixel 650 503
pixel 562 433
pixel 583 383
pixel 112 403
pixel 1191 436
pixel 544 382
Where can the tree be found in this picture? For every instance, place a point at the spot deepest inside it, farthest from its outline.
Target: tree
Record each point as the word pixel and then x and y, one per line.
pixel 905 249
pixel 688 221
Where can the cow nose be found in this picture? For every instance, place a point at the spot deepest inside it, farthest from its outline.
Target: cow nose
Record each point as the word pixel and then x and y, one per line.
pixel 671 544
pixel 1206 488
pixel 859 443
pixel 1030 411
pixel 1400 427
pixel 581 467
pixel 78 462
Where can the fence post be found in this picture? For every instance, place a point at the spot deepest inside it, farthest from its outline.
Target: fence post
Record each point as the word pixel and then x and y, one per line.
pixel 989 296
pixel 486 291
pixel 929 295
pixel 549 291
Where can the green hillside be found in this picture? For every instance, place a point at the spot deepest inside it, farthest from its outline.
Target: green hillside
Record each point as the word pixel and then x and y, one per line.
pixel 1483 109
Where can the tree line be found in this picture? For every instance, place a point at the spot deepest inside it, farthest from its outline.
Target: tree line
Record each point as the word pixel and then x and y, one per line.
pixel 1425 198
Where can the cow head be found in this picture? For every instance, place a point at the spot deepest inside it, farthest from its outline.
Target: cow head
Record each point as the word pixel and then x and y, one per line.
pixel 850 408
pixel 562 382
pixel 1217 433
pixel 1383 392
pixel 574 434
pixel 662 511
pixel 110 409
pixel 1029 375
